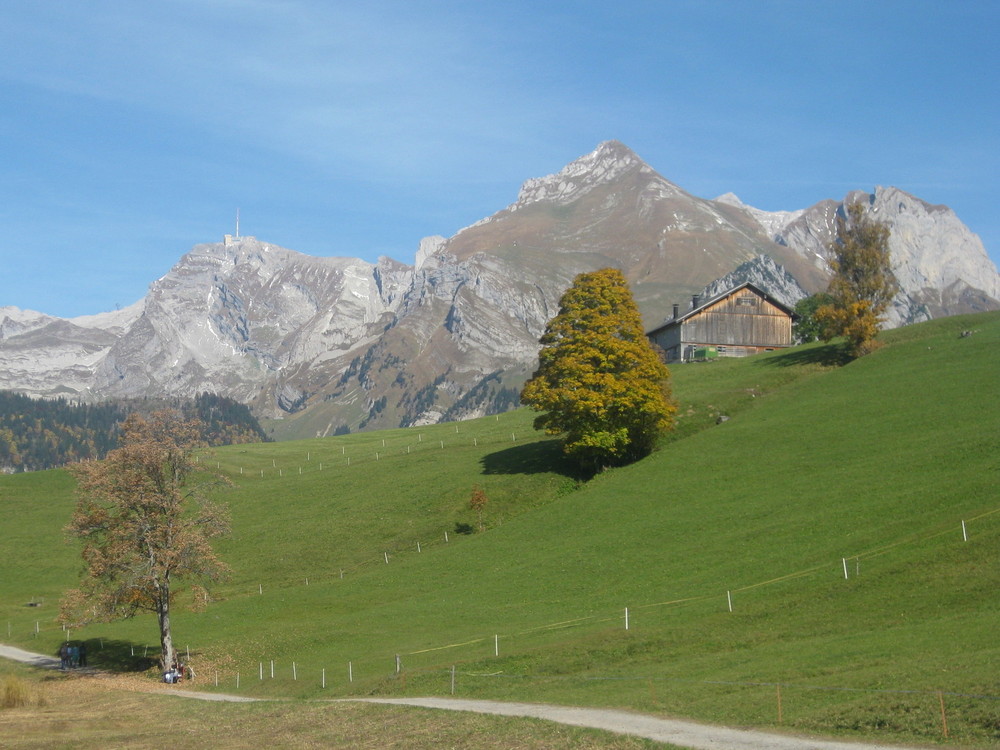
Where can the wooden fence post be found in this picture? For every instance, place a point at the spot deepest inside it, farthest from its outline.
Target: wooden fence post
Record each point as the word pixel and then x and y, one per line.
pixel 944 718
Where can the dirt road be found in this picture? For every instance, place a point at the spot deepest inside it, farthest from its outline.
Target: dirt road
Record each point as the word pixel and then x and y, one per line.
pixel 687 734
pixel 682 733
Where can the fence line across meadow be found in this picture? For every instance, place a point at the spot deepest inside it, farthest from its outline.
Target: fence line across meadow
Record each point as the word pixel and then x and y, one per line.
pixel 270 670
pixel 490 644
pixel 624 616
pixel 394 668
pixel 846 566
pixel 361 452
pixel 933 713
pixel 386 556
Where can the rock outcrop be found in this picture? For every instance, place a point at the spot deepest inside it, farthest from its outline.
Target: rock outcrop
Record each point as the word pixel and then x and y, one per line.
pixel 942 267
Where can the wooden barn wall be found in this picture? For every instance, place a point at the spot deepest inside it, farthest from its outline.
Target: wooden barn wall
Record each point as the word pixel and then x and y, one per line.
pixel 743 319
pixel 667 338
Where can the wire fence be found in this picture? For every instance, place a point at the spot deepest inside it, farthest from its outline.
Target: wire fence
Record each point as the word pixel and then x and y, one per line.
pixel 243 672
pixel 921 713
pixel 967 714
pixel 356 452
pixel 849 565
pixel 479 645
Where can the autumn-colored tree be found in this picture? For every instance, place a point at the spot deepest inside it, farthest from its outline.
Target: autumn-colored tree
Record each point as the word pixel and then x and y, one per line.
pixel 478 502
pixel 863 284
pixel 143 529
pixel 599 382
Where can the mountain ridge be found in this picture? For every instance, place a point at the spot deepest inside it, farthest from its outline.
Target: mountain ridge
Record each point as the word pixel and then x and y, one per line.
pixel 333 344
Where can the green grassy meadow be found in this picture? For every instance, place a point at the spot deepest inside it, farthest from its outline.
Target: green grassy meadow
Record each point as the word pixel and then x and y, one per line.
pixel 345 555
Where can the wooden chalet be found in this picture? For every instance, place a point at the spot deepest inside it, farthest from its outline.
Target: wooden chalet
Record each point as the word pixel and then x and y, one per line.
pixel 743 321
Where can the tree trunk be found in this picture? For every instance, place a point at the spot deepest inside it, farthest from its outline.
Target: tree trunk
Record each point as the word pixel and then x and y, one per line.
pixel 167 654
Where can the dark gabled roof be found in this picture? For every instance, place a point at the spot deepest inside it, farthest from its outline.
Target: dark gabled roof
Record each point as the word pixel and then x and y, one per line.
pixel 708 303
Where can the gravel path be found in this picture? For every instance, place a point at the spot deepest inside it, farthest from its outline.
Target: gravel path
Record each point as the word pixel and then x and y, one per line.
pixel 37 660
pixel 687 734
pixel 683 733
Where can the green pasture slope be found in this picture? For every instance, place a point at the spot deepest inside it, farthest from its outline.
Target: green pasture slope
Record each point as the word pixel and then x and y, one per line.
pixel 802 564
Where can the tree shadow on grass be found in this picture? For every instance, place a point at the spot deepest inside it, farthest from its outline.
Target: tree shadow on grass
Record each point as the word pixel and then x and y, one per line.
pixel 120 656
pixel 534 458
pixel 828 355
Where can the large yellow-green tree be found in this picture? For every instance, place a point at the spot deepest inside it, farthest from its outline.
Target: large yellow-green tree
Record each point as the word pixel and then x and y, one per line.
pixel 143 528
pixel 599 382
pixel 863 285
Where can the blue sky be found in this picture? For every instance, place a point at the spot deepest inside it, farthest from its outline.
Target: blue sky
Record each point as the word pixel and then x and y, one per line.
pixel 132 131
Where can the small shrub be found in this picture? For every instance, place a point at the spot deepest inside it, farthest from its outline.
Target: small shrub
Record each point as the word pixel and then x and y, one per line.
pixel 478 503
pixel 568 486
pixel 464 528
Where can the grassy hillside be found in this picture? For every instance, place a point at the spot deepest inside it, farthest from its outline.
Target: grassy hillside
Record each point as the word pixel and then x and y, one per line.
pixel 341 564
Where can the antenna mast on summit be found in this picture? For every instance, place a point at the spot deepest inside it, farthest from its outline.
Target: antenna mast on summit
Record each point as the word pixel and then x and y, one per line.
pixel 237 223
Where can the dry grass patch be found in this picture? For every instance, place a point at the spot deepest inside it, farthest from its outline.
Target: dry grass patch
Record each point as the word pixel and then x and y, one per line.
pixel 84 712
pixel 16 693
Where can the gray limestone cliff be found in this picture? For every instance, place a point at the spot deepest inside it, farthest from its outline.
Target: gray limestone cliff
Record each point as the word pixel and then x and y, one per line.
pixel 942 267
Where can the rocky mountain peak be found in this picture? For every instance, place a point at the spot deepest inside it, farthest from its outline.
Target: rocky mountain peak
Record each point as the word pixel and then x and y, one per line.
pixel 607 163
pixel 764 273
pixel 773 222
pixel 428 246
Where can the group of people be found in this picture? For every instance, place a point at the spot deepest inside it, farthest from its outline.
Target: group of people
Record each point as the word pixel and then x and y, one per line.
pixel 72 656
pixel 176 673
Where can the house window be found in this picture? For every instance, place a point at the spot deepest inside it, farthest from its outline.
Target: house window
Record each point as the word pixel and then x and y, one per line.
pixel 747 301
